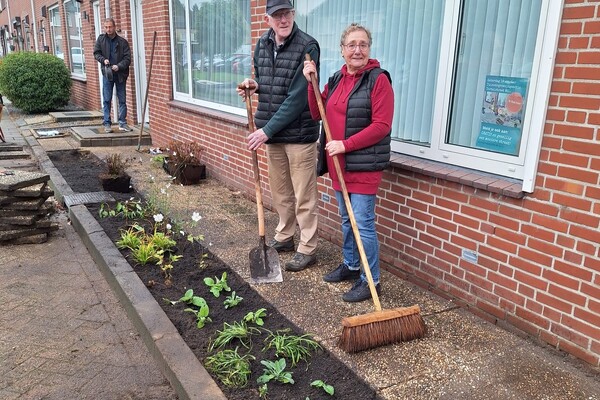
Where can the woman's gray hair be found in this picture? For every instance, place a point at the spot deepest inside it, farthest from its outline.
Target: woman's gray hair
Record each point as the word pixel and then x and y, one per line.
pixel 353 27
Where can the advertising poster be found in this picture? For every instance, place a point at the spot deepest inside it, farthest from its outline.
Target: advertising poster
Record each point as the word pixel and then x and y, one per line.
pixel 502 114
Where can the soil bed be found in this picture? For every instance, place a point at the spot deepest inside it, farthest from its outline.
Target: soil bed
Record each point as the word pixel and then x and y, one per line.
pixel 81 170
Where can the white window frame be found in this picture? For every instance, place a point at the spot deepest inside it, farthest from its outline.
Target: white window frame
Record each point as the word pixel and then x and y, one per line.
pixel 188 97
pixel 523 167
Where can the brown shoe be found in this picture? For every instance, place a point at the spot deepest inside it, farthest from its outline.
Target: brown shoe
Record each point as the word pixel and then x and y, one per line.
pixel 300 262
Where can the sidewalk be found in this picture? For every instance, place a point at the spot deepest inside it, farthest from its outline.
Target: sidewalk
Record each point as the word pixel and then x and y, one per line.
pixel 462 357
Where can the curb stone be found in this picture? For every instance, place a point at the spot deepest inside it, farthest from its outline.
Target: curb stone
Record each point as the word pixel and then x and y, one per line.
pixel 178 363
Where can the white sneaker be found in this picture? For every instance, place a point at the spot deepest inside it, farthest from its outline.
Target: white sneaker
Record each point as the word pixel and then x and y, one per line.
pixel 125 128
pixel 107 128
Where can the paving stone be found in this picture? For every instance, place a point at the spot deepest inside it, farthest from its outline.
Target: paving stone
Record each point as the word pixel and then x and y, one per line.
pixel 15 179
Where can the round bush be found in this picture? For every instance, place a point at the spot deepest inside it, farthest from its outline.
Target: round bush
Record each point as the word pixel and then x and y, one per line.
pixel 35 82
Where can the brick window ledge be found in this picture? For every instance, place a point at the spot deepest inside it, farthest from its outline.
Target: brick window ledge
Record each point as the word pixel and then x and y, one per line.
pixel 480 180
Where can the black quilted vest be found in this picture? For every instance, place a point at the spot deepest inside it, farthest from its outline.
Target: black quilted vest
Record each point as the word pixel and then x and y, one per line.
pixel 358 117
pixel 274 79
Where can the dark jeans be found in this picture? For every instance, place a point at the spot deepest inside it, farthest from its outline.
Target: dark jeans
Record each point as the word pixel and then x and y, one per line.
pixel 107 92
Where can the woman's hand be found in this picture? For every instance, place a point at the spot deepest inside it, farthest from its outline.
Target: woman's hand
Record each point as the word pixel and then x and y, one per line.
pixel 335 147
pixel 246 84
pixel 309 68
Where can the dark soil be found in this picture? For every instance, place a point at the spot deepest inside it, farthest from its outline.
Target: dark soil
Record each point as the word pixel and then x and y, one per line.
pixel 81 173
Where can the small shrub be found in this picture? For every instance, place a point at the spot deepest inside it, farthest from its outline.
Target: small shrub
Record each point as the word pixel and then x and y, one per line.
pixel 35 82
pixel 185 153
pixel 115 164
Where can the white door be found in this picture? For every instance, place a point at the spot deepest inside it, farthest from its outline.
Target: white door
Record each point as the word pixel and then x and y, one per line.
pixel 139 57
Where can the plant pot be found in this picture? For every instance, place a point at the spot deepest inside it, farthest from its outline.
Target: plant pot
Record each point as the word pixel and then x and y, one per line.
pixel 185 174
pixel 119 183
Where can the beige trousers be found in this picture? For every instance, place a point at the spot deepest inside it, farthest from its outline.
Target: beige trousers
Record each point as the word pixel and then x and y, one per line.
pixel 293 181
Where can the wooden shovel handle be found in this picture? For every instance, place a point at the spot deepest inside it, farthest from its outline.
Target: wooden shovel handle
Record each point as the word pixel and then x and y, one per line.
pixel 259 202
pixel 338 170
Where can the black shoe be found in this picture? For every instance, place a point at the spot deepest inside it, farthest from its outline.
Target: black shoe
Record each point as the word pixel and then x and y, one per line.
pixel 360 292
pixel 282 247
pixel 300 262
pixel 342 273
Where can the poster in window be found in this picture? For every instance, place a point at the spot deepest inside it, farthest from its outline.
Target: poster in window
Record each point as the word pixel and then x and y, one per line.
pixel 502 114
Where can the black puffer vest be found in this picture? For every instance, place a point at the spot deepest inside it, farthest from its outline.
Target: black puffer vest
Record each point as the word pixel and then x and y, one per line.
pixel 358 117
pixel 274 79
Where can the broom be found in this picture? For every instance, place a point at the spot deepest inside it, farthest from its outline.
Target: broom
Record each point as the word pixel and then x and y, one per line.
pixel 381 327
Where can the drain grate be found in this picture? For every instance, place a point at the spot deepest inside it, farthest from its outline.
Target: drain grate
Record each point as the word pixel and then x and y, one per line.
pixel 87 198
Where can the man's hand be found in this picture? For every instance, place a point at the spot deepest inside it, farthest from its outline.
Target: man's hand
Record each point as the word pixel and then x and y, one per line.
pixel 115 67
pixel 256 139
pixel 246 84
pixel 106 61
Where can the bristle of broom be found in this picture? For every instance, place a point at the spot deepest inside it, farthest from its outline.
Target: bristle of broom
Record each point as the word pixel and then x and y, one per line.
pixel 381 328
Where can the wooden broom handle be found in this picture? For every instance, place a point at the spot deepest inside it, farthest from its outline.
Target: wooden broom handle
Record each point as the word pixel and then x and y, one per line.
pixel 259 202
pixel 338 170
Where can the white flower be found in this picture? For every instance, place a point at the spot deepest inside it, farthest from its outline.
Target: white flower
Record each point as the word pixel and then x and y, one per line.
pixel 158 217
pixel 163 191
pixel 210 243
pixel 169 226
pixel 196 216
pixel 174 153
pixel 182 233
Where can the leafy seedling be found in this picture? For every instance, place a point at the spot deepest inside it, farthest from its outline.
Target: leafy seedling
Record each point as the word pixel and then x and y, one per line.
pixel 275 370
pixel 230 367
pixel 217 285
pixel 292 347
pixel 263 391
pixel 201 315
pixel 189 298
pixel 256 317
pixel 320 384
pixel 232 300
pixel 130 239
pixel 230 332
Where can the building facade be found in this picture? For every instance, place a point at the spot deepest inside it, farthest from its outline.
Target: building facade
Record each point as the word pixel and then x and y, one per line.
pixel 493 196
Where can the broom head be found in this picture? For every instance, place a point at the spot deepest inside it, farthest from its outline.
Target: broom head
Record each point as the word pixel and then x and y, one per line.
pixel 380 328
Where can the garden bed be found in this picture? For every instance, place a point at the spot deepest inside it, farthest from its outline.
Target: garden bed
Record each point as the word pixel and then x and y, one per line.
pixel 197 263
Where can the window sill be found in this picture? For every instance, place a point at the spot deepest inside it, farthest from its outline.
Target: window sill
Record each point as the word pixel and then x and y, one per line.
pixel 78 77
pixel 480 180
pixel 209 113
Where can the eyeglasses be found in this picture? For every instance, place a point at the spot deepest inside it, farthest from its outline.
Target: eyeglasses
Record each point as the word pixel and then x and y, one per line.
pixel 284 14
pixel 353 46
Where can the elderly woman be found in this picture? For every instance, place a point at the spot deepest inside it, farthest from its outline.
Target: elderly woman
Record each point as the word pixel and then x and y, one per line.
pixel 359 105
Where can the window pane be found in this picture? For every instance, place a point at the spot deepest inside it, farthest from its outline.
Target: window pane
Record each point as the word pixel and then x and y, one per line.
pixel 220 49
pixel 496 46
pixel 72 8
pixel 406 41
pixel 55 33
pixel 180 46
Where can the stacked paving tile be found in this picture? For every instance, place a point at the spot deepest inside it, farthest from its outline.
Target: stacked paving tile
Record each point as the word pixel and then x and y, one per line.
pixel 25 208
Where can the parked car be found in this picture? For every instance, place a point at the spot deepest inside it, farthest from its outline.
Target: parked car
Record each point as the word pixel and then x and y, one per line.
pixel 242 65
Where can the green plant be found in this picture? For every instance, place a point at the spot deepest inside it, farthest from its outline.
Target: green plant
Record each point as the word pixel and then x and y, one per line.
pixel 232 300
pixel 263 391
pixel 130 209
pixel 130 239
pixel 146 252
pixel 292 347
pixel 217 285
pixel 35 82
pixel 320 384
pixel 162 241
pixel 256 317
pixel 275 370
pixel 201 313
pixel 115 164
pixel 230 367
pixel 230 332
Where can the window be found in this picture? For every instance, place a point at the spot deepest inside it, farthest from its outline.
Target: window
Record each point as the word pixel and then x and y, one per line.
pixel 75 42
pixel 471 77
pixel 210 51
pixel 55 32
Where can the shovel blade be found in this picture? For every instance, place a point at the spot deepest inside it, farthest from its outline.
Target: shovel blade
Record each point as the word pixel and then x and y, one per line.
pixel 264 264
